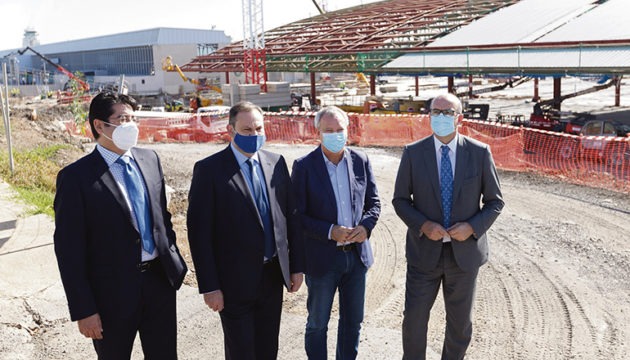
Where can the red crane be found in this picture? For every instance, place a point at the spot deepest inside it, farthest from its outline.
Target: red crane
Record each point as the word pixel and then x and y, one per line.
pixel 82 84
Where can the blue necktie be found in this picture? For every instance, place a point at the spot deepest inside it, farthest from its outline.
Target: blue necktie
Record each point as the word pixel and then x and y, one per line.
pixel 139 201
pixel 263 209
pixel 446 186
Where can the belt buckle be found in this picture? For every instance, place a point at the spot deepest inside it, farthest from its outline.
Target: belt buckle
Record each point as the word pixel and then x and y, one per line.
pixel 144 266
pixel 346 247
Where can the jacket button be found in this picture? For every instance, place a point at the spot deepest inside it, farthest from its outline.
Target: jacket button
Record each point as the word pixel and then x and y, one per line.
pixel 137 241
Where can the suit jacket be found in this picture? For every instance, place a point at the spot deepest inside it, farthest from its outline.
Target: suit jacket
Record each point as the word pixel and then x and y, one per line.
pixel 318 208
pixel 225 231
pixel 97 246
pixel 417 199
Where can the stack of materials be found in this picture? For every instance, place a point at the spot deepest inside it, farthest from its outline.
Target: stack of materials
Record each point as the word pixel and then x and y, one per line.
pixel 278 94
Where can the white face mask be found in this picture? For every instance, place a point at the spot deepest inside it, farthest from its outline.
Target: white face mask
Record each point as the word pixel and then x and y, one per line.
pixel 125 135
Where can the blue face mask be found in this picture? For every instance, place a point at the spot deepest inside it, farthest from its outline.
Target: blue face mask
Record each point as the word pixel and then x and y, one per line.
pixel 334 142
pixel 443 125
pixel 249 144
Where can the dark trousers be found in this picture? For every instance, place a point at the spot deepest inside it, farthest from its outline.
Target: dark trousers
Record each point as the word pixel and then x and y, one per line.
pixel 251 328
pixel 348 276
pixel 155 319
pixel 458 288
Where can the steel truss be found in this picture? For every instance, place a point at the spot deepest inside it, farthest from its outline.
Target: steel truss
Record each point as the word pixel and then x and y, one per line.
pixel 356 39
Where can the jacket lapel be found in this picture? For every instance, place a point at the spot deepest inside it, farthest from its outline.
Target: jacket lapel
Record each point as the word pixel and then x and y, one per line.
pixel 432 168
pixel 238 178
pixel 460 166
pixel 353 186
pixel 322 173
pixel 102 171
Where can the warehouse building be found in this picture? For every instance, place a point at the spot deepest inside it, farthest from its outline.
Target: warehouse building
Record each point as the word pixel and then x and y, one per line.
pixel 138 55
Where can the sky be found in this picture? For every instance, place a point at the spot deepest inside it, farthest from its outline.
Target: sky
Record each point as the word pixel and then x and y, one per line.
pixel 61 20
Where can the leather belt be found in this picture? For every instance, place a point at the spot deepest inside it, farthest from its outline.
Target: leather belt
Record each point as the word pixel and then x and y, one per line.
pixel 148 265
pixel 347 247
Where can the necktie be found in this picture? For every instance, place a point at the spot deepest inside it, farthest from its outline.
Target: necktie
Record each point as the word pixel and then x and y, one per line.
pixel 263 209
pixel 446 186
pixel 139 201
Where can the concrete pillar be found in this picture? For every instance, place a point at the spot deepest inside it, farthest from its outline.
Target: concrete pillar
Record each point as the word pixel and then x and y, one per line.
pixel 618 91
pixel 372 84
pixel 417 87
pixel 313 90
pixel 557 92
pixel 536 95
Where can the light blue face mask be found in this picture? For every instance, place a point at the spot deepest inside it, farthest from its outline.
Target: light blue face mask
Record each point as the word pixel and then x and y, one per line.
pixel 443 125
pixel 334 142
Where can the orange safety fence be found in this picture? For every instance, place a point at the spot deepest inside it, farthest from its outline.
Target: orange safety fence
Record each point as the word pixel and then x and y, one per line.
pixel 595 161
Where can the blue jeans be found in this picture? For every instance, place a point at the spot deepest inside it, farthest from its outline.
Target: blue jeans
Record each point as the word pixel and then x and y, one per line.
pixel 348 275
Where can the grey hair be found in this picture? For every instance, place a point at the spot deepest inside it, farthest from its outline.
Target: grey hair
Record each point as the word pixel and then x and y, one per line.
pixel 334 111
pixel 452 99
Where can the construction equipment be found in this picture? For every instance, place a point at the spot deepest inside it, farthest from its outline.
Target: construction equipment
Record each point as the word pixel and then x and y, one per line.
pixel 206 94
pixel 84 86
pixel 546 115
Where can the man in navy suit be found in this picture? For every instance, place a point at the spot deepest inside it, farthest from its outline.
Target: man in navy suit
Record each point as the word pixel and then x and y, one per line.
pixel 244 236
pixel 441 182
pixel 114 239
pixel 339 205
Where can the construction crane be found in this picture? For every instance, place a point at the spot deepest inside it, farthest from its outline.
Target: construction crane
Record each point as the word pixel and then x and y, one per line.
pixel 82 84
pixel 254 55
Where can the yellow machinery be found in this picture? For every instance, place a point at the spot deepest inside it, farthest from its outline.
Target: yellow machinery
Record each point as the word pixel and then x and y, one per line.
pixel 208 93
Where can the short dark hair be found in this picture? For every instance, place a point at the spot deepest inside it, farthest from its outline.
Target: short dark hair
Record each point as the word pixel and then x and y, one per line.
pixel 243 106
pixel 102 107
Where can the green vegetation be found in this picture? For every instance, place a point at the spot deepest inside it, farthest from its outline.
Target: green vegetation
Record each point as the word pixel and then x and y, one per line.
pixel 34 176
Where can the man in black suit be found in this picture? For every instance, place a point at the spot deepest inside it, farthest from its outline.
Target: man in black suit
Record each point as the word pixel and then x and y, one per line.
pixel 448 194
pixel 114 239
pixel 244 236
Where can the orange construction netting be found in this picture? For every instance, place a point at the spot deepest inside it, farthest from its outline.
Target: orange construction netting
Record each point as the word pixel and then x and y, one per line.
pixel 602 162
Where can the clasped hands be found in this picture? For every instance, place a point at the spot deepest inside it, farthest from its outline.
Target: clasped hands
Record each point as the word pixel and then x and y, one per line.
pixel 342 234
pixel 459 231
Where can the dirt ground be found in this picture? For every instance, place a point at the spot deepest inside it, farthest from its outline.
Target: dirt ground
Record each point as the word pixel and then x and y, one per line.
pixel 557 285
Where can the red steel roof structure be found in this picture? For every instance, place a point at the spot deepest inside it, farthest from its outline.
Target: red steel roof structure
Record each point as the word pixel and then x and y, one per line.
pixel 356 39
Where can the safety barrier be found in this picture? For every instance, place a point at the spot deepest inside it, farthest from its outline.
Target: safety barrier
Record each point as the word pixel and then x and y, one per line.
pixel 594 161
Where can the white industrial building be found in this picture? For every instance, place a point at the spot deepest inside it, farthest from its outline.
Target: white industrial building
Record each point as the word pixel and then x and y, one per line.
pixel 138 55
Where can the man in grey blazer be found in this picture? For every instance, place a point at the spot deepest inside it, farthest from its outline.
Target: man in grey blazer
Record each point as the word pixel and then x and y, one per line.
pixel 448 194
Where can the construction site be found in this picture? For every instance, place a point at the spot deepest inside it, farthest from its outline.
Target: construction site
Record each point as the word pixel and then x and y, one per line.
pixel 542 82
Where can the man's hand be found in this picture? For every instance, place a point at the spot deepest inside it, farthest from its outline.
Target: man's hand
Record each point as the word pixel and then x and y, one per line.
pixel 433 230
pixel 460 231
pixel 214 300
pixel 91 327
pixel 358 234
pixel 340 233
pixel 296 281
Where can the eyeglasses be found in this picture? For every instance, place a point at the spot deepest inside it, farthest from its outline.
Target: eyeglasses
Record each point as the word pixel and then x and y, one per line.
pixel 447 112
pixel 122 118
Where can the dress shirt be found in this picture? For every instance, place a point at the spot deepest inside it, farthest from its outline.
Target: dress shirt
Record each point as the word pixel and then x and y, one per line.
pixel 117 170
pixel 340 181
pixel 242 163
pixel 452 145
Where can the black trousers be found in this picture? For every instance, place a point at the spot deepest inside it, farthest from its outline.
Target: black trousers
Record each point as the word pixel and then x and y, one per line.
pixel 250 329
pixel 155 319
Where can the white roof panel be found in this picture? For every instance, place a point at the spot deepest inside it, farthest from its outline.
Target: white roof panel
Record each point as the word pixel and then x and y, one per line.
pixel 608 21
pixel 523 22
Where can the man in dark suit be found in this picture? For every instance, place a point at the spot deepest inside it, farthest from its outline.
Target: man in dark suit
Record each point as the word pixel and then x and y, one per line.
pixel 114 239
pixel 339 205
pixel 441 181
pixel 245 237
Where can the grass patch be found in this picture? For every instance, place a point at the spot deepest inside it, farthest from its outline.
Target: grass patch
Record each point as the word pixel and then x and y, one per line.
pixel 35 174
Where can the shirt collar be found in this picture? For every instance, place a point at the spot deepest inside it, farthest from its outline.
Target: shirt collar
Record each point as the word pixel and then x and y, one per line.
pixel 240 158
pixel 451 145
pixel 109 156
pixel 328 162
